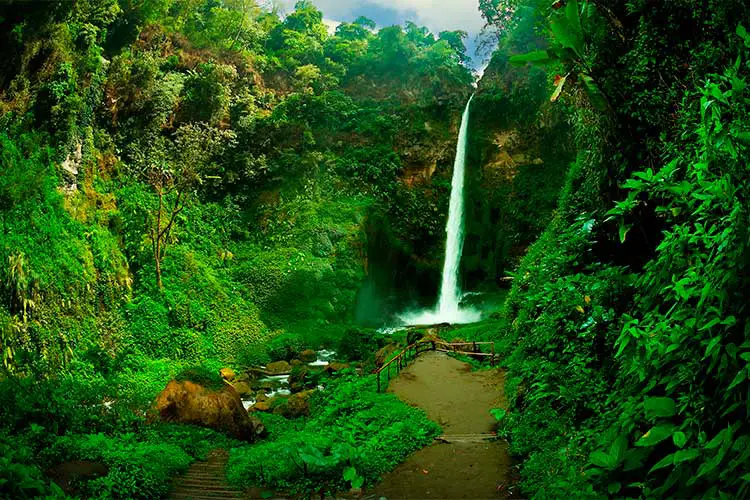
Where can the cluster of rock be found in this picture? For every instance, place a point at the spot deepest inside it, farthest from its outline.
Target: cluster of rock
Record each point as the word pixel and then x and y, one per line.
pixel 187 402
pixel 282 387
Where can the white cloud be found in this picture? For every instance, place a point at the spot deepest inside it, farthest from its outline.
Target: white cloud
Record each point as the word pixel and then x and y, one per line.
pixel 331 25
pixel 440 15
pixel 437 15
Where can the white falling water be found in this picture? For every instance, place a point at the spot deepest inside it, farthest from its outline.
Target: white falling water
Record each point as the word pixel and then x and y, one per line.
pixel 448 308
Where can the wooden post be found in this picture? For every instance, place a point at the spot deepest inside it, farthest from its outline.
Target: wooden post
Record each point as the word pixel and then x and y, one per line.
pixel 492 359
pixel 378 381
pixel 433 344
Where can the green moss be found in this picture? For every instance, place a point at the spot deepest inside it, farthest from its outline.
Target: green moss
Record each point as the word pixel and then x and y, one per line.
pixel 202 375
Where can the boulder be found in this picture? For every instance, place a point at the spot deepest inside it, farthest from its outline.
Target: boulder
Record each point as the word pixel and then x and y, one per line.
pixel 297 406
pixel 266 385
pixel 221 409
pixel 278 368
pixel 262 406
pixel 296 362
pixel 336 367
pixel 243 389
pixel 308 356
pixel 303 377
pixel 270 404
pixel 227 374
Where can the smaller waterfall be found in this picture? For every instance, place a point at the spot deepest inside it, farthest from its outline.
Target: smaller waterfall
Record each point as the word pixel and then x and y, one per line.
pixel 448 308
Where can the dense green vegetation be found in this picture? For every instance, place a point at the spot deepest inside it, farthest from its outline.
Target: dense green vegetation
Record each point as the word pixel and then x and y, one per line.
pixel 188 185
pixel 627 323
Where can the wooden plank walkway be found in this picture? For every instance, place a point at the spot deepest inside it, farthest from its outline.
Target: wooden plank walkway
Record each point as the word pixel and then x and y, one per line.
pixel 205 480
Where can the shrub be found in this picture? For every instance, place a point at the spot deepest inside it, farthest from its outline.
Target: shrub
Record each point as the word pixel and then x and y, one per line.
pixel 351 427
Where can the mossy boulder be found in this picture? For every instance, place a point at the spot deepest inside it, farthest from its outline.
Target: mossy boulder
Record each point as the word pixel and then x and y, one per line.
pixel 243 389
pixel 308 356
pixel 279 368
pixel 186 402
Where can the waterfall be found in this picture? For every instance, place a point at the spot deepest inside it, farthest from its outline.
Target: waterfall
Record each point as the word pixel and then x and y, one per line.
pixel 448 308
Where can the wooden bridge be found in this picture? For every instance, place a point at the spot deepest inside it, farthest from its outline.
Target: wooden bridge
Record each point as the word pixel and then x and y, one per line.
pixel 401 360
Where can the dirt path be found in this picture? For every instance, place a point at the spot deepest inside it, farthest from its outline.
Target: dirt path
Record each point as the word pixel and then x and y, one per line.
pixel 463 464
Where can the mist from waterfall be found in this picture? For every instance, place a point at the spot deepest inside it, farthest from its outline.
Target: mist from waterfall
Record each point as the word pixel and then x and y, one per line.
pixel 448 309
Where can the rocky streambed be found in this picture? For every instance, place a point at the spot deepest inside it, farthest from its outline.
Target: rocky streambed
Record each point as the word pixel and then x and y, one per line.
pixel 283 387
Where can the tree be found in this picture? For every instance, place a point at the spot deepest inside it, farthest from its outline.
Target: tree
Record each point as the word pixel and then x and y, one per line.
pixel 172 196
pixel 191 161
pixel 456 40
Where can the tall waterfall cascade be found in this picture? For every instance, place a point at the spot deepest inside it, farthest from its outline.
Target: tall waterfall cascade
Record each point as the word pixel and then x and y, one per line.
pixel 448 309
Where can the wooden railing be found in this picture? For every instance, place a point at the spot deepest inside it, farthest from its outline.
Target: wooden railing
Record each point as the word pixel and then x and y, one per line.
pixel 401 360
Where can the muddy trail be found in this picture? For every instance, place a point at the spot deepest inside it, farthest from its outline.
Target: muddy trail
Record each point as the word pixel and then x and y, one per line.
pixel 462 463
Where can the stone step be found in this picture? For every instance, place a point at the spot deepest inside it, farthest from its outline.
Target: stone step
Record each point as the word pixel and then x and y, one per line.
pixel 202 483
pixel 200 496
pixel 201 493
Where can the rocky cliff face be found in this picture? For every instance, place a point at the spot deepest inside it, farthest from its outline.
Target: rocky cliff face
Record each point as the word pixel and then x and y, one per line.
pixel 520 151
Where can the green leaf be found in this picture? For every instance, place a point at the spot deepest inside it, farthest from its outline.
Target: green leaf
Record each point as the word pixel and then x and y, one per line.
pixel 656 435
pixel 614 488
pixel 742 32
pixel 565 34
pixel 618 449
pixel 624 230
pixel 680 439
pixel 664 462
pixel 573 15
pixel 539 57
pixel 498 413
pixel 660 407
pixel 596 97
pixel 711 345
pixel 717 440
pixel 350 473
pixel 741 377
pixel 743 137
pixel 601 459
pixel 358 482
pixel 686 455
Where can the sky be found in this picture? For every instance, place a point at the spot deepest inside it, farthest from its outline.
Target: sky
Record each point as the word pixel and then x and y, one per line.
pixel 437 15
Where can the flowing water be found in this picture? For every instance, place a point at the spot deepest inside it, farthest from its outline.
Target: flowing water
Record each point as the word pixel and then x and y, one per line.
pixel 448 309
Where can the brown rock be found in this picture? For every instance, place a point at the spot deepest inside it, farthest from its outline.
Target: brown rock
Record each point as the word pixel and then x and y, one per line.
pixel 274 404
pixel 263 406
pixel 296 362
pixel 264 386
pixel 308 356
pixel 261 397
pixel 301 378
pixel 243 388
pixel 227 373
pixel 298 405
pixel 278 368
pixel 336 367
pixel 186 402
